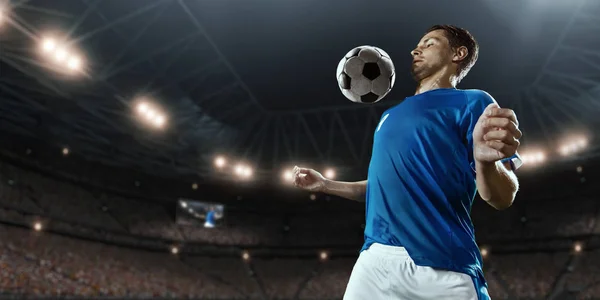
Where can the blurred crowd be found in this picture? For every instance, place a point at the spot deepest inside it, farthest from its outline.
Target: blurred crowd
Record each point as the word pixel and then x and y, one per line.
pixel 92 244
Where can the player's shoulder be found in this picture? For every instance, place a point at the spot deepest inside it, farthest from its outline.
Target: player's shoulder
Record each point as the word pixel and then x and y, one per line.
pixel 476 94
pixel 476 97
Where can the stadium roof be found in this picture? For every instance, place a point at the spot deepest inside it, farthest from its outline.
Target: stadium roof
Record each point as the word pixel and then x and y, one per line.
pixel 254 80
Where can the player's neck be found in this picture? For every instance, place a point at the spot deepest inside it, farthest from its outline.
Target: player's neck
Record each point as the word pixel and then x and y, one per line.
pixel 434 82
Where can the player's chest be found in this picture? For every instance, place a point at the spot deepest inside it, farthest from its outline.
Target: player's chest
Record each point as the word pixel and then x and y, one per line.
pixel 413 117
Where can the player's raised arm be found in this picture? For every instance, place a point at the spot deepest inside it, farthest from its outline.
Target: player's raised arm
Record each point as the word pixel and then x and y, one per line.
pixel 496 139
pixel 311 180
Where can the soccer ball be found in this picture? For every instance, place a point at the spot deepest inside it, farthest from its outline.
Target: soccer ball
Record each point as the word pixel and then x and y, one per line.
pixel 366 74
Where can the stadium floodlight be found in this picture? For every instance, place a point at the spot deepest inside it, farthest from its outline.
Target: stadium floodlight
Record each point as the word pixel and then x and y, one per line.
pixel 323 255
pixel 577 247
pixel 74 63
pixel 48 45
pixel 245 255
pixel 239 169
pixel 220 161
pixel 61 55
pixel 159 120
pixel 329 174
pixel 247 172
pixel 533 158
pixel 142 107
pixel 37 226
pixel 573 146
pixel 243 171
pixel 287 176
pixel 150 114
pixel 484 252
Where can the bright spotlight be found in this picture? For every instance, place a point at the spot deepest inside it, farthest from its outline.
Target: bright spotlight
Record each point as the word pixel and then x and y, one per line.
pixel 142 108
pixel 573 145
pixel 246 255
pixel 48 45
pixel 243 171
pixel 247 172
pixel 74 63
pixel 37 226
pixel 65 151
pixel 323 255
pixel 566 150
pixel 220 162
pixel 329 173
pixel 150 114
pixel 174 250
pixel 577 247
pixel 287 175
pixel 533 158
pixel 183 204
pixel 484 252
pixel 60 55
pixel 239 169
pixel 159 120
pixel 194 186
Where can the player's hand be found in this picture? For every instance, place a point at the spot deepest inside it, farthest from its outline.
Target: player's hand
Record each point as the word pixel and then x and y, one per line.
pixel 308 179
pixel 496 134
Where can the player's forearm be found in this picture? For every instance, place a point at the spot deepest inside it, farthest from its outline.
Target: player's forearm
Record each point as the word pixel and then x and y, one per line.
pixel 496 185
pixel 350 190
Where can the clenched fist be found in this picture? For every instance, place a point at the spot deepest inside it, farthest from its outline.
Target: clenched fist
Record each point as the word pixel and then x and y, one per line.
pixel 496 134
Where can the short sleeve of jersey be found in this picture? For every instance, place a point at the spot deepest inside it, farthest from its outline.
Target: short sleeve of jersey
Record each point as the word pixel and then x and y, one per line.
pixel 477 101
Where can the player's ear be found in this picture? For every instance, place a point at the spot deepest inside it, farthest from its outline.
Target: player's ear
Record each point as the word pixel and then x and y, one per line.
pixel 460 53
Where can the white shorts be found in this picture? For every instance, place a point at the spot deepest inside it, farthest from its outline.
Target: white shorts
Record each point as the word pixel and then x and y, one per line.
pixel 387 272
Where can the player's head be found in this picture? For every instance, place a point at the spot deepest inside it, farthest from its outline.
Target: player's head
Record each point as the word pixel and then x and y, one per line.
pixel 444 48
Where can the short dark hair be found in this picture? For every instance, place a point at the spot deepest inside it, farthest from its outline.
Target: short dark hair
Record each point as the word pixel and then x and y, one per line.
pixel 458 37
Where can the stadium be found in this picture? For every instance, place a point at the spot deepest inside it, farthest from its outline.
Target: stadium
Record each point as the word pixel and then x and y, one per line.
pixel 124 124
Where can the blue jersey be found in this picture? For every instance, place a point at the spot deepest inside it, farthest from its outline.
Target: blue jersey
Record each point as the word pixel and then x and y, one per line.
pixel 210 217
pixel 421 180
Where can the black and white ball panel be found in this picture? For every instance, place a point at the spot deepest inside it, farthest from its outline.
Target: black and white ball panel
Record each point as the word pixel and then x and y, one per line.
pixel 369 98
pixel 386 67
pixel 344 81
pixel 360 85
pixel 381 85
pixel 365 74
pixel 351 95
pixel 371 70
pixel 354 67
pixel 369 55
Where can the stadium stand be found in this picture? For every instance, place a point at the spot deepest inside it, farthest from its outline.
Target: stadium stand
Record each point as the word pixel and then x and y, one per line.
pixel 110 246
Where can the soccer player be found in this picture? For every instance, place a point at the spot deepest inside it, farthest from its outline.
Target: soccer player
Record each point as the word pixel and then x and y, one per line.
pixel 431 154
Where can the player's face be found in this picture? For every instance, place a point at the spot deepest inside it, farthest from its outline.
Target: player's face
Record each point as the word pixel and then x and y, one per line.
pixel 431 55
